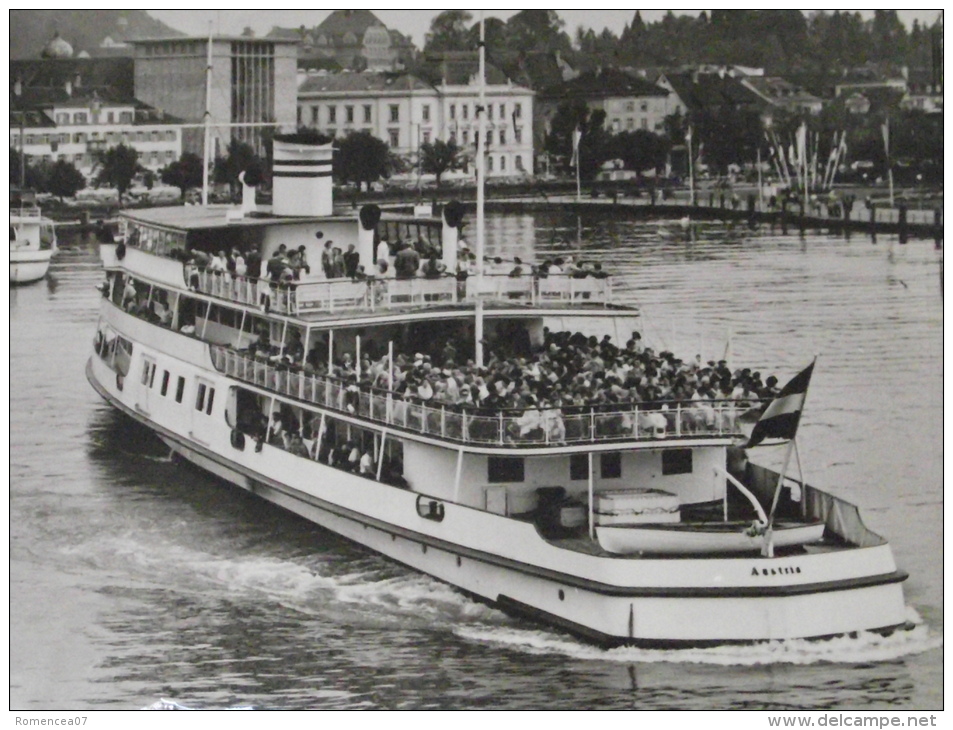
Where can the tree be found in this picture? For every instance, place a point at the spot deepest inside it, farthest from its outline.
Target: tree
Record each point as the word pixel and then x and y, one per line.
pixel 184 173
pixel 117 167
pixel 640 150
pixel 439 157
pixel 240 157
pixel 448 31
pixel 593 145
pixel 363 158
pixel 65 180
pixel 536 30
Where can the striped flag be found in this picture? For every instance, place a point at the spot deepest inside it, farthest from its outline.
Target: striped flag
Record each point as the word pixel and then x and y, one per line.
pixel 780 419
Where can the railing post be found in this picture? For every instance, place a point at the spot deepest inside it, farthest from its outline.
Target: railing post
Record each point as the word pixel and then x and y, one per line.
pixel 592 424
pixel 501 427
pixel 635 421
pixel 464 422
pixel 678 418
pixel 443 421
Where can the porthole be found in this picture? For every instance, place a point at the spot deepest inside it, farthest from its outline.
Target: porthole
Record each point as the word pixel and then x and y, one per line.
pixel 562 595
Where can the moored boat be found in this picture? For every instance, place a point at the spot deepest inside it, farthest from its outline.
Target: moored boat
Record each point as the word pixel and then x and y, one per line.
pixel 32 239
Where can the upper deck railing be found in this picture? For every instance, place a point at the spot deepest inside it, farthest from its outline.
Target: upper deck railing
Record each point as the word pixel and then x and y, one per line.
pixel 492 427
pixel 371 295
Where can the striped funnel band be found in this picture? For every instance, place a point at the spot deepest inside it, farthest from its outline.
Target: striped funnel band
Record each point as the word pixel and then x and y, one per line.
pixel 302 168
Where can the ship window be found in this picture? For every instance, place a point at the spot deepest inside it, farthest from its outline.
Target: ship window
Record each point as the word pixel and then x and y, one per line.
pixel 179 389
pixel 211 397
pixel 165 382
pixel 579 466
pixel 677 461
pixel 148 373
pixel 505 469
pixel 200 397
pixel 611 465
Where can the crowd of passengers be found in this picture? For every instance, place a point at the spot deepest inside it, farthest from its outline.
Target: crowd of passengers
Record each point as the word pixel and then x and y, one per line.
pixel 402 260
pixel 568 373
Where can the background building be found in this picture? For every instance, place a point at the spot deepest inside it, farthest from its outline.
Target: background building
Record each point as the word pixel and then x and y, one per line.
pixel 253 82
pixel 76 126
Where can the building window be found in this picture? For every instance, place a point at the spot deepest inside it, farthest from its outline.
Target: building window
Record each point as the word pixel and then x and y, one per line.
pixel 394 113
pixel 453 111
pixel 611 465
pixel 110 118
pixel 332 115
pixel 489 111
pixel 518 135
pixel 489 163
pixel 505 469
pixel 502 136
pixel 466 136
pixel 426 137
pixel 630 106
pixel 630 123
pixel 349 115
pixel 314 116
pixel 367 113
pixel 502 163
pixel 644 106
pixel 645 123
pixel 394 137
pixel 466 111
pixel 676 461
pixel 518 111
pixel 519 162
pixel 125 117
pixel 79 118
pixel 503 111
pixel 425 112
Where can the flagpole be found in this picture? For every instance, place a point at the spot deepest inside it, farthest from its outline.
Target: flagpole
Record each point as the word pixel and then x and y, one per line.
pixel 768 547
pixel 691 168
pixel 481 168
pixel 577 143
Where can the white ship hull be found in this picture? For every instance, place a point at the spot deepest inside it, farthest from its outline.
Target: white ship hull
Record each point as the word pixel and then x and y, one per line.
pixel 27 266
pixel 505 561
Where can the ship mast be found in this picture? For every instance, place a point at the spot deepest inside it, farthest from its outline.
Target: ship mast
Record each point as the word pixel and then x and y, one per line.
pixel 480 170
pixel 208 116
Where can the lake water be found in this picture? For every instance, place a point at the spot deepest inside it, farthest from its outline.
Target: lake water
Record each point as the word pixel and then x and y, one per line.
pixel 135 578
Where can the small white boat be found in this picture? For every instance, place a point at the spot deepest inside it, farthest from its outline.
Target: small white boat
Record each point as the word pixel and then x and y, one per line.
pixel 32 239
pixel 705 538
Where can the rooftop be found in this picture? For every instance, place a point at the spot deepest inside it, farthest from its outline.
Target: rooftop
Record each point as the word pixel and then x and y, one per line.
pixel 605 83
pixel 362 81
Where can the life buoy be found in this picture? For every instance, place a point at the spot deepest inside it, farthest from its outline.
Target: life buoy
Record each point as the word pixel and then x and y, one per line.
pixel 119 381
pixel 121 251
pixel 238 439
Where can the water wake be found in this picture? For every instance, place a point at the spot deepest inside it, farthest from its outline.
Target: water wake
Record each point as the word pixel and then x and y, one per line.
pixel 860 648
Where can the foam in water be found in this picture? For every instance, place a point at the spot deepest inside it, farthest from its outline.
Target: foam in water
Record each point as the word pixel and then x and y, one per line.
pixel 864 647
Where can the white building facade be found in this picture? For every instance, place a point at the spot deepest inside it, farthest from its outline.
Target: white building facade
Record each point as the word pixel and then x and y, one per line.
pixel 77 129
pixel 406 113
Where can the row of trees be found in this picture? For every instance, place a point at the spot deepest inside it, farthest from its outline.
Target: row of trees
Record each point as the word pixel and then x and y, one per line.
pixel 784 42
pixel 725 137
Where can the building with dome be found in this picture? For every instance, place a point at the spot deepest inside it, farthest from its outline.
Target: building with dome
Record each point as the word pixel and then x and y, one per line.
pixel 57 47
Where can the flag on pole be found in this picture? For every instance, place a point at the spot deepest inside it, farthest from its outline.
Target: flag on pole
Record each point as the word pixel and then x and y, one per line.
pixel 780 419
pixel 576 136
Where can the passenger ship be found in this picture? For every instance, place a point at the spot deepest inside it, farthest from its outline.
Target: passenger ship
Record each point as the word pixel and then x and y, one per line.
pixel 622 525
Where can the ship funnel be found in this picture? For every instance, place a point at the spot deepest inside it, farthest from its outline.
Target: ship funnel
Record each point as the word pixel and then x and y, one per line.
pixel 302 176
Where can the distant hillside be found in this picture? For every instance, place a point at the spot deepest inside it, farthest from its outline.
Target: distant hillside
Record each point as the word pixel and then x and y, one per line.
pixel 84 30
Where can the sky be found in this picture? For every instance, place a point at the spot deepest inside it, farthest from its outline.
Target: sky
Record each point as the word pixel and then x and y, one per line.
pixel 416 22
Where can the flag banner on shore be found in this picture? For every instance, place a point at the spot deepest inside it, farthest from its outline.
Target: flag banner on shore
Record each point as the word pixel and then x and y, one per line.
pixel 780 419
pixel 576 136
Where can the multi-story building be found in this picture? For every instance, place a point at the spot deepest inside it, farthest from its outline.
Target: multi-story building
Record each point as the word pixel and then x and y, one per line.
pixel 407 112
pixel 354 39
pixel 252 85
pixel 630 102
pixel 77 126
